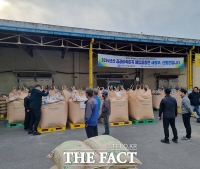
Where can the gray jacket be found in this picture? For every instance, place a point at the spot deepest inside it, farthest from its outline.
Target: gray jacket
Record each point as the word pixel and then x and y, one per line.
pixel 106 110
pixel 185 106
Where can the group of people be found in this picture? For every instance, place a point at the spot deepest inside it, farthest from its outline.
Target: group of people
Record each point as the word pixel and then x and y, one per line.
pixel 33 102
pixel 92 112
pixel 168 107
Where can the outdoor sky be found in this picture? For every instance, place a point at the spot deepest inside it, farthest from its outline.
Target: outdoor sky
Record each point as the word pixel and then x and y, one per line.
pixel 176 18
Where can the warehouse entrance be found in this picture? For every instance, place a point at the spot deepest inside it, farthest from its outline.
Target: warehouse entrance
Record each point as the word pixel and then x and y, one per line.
pixel 126 83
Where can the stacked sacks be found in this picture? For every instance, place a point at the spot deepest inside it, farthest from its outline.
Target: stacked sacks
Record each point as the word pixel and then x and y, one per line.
pixel 157 96
pixel 72 146
pixel 106 143
pixel 15 106
pixel 96 145
pixel 77 106
pixel 140 103
pixel 3 106
pixel 53 97
pixel 66 93
pixel 119 105
pixel 54 110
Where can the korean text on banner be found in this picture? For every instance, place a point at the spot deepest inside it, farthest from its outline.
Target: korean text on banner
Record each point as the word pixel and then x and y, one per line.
pixel 139 62
pixel 197 60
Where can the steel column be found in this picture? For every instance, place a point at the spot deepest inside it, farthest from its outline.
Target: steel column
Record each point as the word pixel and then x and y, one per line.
pixel 91 64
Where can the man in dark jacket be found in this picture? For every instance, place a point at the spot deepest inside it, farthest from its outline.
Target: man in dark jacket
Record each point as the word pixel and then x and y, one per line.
pixel 91 115
pixel 168 107
pixel 194 101
pixel 35 106
pixel 106 110
pixel 27 112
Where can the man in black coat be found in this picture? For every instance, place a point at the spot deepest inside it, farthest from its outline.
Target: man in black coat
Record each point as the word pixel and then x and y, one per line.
pixel 35 108
pixel 194 101
pixel 168 107
pixel 27 112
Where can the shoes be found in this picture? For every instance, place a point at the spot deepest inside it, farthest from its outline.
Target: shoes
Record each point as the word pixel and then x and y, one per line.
pixel 30 132
pixel 175 141
pixel 35 133
pixel 105 134
pixel 164 141
pixel 185 138
pixel 196 116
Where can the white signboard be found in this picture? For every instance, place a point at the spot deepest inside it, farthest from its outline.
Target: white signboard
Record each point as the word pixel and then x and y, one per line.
pixel 139 62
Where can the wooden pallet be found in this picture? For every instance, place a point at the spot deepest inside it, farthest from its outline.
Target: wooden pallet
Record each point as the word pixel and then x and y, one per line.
pixel 150 121
pixel 52 129
pixel 121 123
pixel 2 116
pixel 76 126
pixel 9 125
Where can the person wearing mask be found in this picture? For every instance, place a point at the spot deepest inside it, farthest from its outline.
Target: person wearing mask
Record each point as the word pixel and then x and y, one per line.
pixel 186 114
pixel 91 114
pixel 106 110
pixel 96 92
pixel 194 100
pixel 35 108
pixel 27 112
pixel 168 106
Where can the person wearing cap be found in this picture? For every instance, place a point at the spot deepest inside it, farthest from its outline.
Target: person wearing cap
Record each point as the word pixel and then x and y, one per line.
pixel 27 118
pixel 91 114
pixel 186 110
pixel 35 108
pixel 96 92
pixel 106 110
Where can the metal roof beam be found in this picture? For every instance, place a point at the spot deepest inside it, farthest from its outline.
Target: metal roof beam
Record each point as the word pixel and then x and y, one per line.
pixel 27 49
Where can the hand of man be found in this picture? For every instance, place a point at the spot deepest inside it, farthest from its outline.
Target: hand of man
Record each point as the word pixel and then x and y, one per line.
pixel 28 110
pixel 86 125
pixel 160 118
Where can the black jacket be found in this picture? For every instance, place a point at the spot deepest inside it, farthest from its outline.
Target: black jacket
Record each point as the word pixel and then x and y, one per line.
pixel 194 98
pixel 26 103
pixel 36 98
pixel 168 106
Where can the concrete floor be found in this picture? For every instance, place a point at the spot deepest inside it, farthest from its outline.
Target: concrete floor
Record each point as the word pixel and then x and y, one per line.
pixel 18 150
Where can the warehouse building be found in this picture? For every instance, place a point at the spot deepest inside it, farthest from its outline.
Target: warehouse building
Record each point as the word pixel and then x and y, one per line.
pixel 32 53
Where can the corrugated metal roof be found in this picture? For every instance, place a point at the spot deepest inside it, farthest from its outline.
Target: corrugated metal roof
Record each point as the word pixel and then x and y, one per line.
pixel 90 33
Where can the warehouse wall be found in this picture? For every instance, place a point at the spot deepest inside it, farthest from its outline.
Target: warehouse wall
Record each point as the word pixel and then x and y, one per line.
pixel 149 76
pixel 15 59
pixel 196 76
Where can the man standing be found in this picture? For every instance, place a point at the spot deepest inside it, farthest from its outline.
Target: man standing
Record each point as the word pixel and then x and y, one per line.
pixel 97 99
pixel 35 106
pixel 194 100
pixel 186 114
pixel 27 112
pixel 168 107
pixel 106 110
pixel 91 115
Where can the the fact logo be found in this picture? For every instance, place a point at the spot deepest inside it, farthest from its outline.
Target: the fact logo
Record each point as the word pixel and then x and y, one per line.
pixel 105 157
